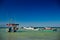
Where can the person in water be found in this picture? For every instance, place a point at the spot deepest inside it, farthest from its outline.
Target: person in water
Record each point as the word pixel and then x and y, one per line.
pixel 10 29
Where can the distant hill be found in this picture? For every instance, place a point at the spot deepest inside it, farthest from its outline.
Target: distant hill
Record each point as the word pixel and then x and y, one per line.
pixel 3 25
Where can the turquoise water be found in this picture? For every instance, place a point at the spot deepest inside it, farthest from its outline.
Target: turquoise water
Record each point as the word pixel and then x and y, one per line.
pixel 29 35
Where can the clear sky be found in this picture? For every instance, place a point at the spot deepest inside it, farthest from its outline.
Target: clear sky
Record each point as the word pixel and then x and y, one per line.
pixel 31 12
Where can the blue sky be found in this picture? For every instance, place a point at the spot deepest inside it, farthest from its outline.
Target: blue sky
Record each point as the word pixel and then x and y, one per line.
pixel 30 12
